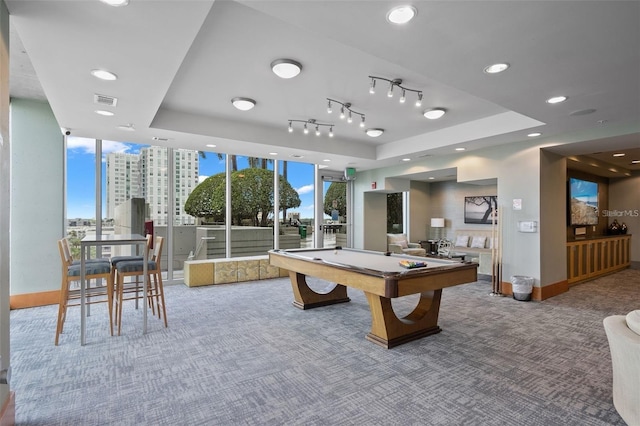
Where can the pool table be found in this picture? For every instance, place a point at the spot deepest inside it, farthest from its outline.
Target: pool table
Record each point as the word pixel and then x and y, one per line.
pixel 381 277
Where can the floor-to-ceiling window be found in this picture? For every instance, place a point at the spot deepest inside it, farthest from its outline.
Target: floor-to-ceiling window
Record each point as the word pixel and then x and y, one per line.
pixel 395 213
pixel 182 195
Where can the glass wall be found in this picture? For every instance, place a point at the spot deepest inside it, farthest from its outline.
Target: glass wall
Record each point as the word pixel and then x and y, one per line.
pixel 297 194
pixel 81 192
pixel 334 225
pixel 395 213
pixel 181 195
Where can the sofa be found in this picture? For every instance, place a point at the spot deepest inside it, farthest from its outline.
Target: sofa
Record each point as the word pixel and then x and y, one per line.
pixel 623 333
pixel 399 243
pixel 477 243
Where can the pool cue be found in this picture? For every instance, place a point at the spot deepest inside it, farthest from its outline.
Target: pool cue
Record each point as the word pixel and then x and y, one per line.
pixel 499 243
pixel 492 244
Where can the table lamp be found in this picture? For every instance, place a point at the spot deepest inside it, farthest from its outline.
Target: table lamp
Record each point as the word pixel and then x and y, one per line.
pixel 437 223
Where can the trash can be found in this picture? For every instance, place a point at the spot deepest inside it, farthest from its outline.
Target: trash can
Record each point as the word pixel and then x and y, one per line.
pixel 521 287
pixel 302 229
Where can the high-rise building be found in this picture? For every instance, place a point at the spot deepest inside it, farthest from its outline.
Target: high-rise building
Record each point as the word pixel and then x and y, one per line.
pixel 149 180
pixel 123 179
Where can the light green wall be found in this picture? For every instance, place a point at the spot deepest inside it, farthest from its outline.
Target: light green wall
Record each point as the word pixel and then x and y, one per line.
pixel 5 183
pixel 37 209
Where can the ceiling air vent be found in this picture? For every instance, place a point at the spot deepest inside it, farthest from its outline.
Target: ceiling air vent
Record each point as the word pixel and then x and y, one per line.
pixel 105 100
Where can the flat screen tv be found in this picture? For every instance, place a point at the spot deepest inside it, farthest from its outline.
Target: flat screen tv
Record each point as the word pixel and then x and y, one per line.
pixel 583 202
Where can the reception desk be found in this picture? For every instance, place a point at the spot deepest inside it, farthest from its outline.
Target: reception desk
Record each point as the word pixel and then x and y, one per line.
pixel 594 256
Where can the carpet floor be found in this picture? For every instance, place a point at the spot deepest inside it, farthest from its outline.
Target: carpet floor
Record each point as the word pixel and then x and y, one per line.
pixel 241 354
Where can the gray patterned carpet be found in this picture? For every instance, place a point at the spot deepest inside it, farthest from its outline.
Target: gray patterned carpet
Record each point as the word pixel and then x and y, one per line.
pixel 242 354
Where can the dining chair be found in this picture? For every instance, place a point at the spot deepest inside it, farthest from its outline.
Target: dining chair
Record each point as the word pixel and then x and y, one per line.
pixel 71 273
pixel 131 290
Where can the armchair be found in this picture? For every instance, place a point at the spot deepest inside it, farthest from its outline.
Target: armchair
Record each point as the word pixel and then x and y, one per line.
pixel 623 334
pixel 399 243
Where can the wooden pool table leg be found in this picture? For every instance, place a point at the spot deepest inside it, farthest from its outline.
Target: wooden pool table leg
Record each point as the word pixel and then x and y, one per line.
pixel 305 298
pixel 388 330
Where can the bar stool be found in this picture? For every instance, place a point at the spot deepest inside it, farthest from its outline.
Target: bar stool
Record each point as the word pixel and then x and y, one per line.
pixel 94 270
pixel 155 289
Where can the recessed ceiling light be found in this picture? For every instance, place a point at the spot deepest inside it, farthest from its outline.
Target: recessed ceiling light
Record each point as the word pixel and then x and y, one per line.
pixel 159 138
pixel 286 68
pixel 461 149
pixel 374 133
pixel 556 99
pixel 104 112
pixel 401 14
pixel 116 3
pixel 406 159
pixel 326 160
pixel 210 145
pixel 243 104
pixel 433 114
pixel 635 162
pixel 296 156
pixel 273 153
pixel 104 75
pixel 534 134
pixel 619 154
pixel 496 68
pixel 431 178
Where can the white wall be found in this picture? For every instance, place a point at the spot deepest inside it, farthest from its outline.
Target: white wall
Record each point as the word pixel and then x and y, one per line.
pixel 448 202
pixel 553 217
pixel 515 168
pixel 36 197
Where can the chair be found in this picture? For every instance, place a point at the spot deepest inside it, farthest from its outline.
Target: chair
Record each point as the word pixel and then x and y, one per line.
pixel 69 257
pixel 623 334
pixel 94 270
pixel 117 259
pixel 399 243
pixel 155 289
pixel 445 248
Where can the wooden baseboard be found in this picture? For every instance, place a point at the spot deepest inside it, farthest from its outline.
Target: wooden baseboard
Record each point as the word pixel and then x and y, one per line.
pixel 540 293
pixel 554 289
pixel 31 300
pixel 8 412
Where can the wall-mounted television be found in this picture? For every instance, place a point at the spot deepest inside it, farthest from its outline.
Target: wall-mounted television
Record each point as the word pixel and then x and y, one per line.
pixel 583 202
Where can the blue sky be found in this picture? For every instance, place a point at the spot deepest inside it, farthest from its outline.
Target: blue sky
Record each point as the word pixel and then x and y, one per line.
pixel 81 176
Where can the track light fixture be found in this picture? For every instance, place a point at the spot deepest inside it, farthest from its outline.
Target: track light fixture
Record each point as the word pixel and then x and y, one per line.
pixel 348 115
pixel 311 123
pixel 395 83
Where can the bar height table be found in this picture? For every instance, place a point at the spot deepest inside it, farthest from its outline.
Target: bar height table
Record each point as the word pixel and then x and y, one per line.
pixel 136 240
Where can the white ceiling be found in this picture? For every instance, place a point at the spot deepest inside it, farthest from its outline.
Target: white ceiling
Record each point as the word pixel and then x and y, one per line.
pixel 180 63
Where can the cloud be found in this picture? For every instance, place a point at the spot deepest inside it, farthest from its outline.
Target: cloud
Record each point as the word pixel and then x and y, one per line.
pixel 88 146
pixel 202 178
pixel 305 189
